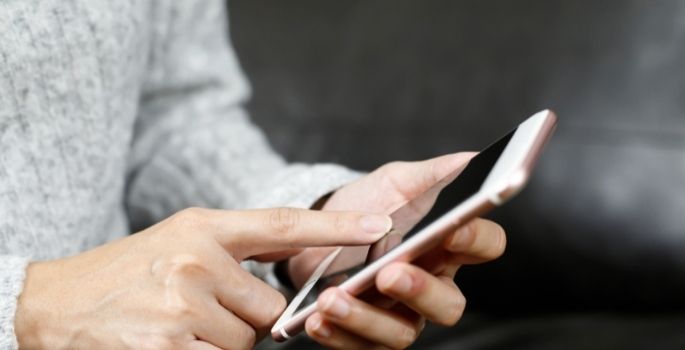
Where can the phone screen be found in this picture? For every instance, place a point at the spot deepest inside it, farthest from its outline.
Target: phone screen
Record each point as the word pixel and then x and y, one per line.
pixel 455 188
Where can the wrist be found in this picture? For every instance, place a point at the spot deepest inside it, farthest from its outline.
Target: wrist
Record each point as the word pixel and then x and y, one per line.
pixel 33 319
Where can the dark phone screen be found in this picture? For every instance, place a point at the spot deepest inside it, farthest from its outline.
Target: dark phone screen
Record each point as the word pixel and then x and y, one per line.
pixel 411 218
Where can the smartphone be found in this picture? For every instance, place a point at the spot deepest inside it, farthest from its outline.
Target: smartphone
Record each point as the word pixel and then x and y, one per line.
pixel 490 178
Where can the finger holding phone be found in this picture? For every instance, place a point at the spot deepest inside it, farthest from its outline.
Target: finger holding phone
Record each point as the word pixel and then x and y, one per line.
pixel 387 290
pixel 346 322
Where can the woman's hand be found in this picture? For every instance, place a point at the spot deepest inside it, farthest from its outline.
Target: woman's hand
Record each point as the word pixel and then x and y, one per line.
pixel 409 296
pixel 406 295
pixel 177 284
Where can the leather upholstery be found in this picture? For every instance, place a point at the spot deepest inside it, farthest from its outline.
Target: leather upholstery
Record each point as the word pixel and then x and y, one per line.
pixel 601 225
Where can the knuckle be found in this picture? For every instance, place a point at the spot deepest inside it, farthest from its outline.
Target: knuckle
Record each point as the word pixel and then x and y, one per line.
pixel 246 337
pixel 275 305
pixel 328 294
pixel 280 304
pixel 341 224
pixel 284 220
pixel 240 288
pixel 453 313
pixel 192 213
pixel 408 273
pixel 390 166
pixel 179 308
pixel 429 175
pixel 387 172
pixel 190 217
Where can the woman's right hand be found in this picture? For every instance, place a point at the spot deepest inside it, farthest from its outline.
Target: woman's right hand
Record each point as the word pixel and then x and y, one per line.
pixel 177 284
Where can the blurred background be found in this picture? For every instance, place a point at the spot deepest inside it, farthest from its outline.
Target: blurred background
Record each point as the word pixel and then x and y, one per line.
pixel 596 255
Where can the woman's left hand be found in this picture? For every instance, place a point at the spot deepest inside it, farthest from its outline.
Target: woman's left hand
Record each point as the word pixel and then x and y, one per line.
pixel 346 322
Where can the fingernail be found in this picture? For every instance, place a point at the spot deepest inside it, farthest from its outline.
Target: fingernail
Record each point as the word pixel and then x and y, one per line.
pixel 321 329
pixel 375 223
pixel 335 306
pixel 400 283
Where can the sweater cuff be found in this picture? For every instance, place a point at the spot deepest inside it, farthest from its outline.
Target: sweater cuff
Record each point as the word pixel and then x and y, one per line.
pixel 11 284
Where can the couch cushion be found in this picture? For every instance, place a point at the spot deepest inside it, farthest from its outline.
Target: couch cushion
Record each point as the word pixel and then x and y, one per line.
pixel 601 225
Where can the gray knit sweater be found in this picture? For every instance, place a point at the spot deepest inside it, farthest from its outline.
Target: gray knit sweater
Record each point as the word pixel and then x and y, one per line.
pixel 115 114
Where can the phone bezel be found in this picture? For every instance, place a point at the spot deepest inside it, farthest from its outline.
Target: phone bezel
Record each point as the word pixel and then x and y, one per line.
pixel 507 177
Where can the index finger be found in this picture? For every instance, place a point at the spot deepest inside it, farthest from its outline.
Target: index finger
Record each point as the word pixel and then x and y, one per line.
pixel 253 232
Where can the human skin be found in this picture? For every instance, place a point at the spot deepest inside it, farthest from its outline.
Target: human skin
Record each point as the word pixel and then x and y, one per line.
pixel 177 284
pixel 346 322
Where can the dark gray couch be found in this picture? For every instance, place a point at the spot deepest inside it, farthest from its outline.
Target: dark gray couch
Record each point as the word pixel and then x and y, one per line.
pixel 596 242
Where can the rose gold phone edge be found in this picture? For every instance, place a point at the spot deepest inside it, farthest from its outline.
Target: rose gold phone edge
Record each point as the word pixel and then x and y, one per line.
pixel 414 247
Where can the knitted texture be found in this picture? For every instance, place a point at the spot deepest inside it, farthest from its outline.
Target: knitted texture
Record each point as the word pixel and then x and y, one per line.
pixel 116 114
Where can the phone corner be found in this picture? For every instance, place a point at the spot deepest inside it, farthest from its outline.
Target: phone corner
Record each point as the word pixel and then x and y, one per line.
pixel 279 335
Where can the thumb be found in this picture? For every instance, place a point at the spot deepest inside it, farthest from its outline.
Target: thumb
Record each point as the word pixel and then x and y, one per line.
pixel 414 178
pixel 255 232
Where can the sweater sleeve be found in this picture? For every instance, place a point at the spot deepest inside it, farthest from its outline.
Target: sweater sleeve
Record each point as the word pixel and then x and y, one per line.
pixel 194 144
pixel 11 283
